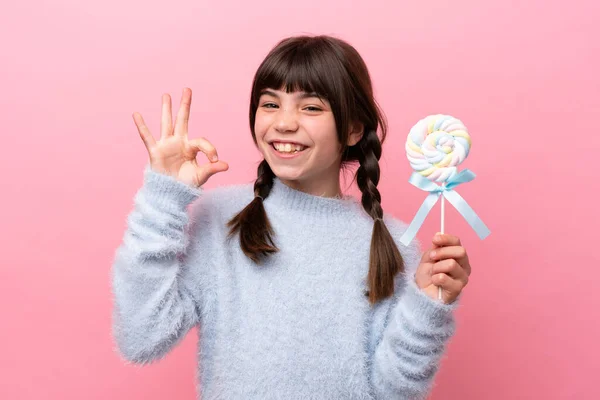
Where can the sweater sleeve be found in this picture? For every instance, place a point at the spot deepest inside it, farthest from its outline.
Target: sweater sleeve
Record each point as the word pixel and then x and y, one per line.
pixel 407 357
pixel 154 304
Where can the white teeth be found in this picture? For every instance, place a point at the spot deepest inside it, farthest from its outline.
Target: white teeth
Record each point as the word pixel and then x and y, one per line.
pixel 288 147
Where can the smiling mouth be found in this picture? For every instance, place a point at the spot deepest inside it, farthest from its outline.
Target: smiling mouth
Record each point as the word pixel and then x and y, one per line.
pixel 288 148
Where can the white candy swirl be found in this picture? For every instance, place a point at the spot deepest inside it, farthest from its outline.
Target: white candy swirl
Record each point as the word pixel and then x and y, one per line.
pixel 436 145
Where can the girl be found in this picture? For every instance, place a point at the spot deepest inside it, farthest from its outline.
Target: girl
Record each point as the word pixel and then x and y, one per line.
pixel 298 291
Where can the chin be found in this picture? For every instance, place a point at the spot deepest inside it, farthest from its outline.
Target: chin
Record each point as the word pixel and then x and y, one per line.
pixel 287 173
pixel 284 171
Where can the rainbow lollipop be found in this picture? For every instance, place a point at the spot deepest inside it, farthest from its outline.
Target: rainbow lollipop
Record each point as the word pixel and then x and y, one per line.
pixel 435 146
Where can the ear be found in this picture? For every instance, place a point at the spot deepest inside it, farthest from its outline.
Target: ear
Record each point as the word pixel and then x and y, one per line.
pixel 355 134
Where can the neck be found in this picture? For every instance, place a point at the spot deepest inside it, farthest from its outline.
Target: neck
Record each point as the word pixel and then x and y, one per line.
pixel 322 187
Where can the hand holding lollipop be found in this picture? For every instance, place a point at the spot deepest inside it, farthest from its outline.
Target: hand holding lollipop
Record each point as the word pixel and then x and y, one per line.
pixel 435 146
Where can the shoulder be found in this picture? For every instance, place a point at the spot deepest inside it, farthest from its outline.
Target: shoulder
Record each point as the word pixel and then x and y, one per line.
pixel 230 196
pixel 222 202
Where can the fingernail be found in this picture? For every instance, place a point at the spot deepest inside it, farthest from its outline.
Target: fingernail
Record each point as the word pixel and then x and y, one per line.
pixel 432 254
pixel 214 158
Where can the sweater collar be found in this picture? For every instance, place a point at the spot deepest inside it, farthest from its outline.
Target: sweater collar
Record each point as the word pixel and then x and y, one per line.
pixel 309 205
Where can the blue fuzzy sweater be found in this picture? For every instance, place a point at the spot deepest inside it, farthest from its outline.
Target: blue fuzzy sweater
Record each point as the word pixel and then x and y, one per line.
pixel 297 327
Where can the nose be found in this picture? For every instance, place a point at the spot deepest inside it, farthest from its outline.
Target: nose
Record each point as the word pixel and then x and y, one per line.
pixel 286 121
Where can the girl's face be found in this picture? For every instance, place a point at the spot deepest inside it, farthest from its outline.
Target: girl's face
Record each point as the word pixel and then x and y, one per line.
pixel 296 133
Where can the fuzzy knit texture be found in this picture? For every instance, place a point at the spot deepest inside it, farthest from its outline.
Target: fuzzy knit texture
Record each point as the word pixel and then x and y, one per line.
pixel 296 327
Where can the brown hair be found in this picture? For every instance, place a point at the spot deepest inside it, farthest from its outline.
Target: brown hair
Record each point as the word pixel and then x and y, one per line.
pixel 333 69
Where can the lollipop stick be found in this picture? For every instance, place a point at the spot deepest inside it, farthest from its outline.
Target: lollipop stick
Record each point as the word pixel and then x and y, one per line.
pixel 442 231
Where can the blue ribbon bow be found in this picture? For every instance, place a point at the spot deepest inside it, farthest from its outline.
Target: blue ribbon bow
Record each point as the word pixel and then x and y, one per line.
pixel 435 191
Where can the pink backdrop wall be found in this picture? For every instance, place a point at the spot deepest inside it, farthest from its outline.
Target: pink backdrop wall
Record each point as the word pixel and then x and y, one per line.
pixel 520 74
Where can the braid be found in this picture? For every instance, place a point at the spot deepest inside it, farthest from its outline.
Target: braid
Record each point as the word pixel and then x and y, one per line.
pixel 367 175
pixel 252 223
pixel 264 180
pixel 385 258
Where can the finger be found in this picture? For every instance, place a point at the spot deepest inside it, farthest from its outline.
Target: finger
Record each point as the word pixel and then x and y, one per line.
pixel 441 253
pixel 166 123
pixel 183 115
pixel 143 130
pixel 426 256
pixel 452 268
pixel 445 239
pixel 457 253
pixel 206 147
pixel 207 170
pixel 447 283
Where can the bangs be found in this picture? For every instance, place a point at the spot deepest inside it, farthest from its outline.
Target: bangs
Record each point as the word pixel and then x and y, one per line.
pixel 298 69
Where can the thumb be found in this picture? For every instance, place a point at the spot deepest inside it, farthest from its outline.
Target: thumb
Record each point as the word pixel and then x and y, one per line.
pixel 426 258
pixel 205 171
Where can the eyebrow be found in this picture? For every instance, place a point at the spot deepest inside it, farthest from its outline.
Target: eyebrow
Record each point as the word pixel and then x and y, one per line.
pixel 302 95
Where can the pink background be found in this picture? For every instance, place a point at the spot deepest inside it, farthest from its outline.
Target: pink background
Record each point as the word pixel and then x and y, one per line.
pixel 522 75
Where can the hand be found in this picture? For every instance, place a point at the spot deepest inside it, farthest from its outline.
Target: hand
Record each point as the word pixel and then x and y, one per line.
pixel 448 268
pixel 174 154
